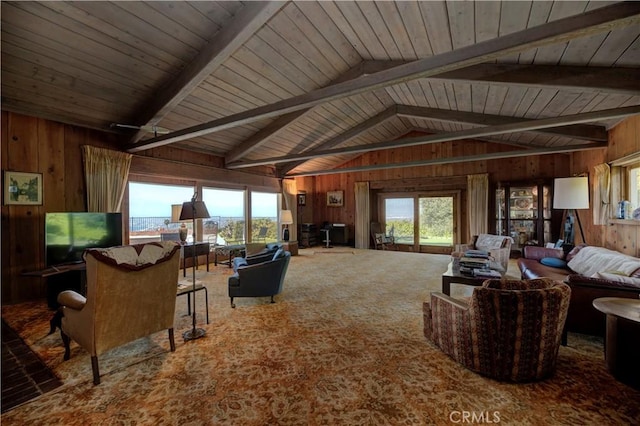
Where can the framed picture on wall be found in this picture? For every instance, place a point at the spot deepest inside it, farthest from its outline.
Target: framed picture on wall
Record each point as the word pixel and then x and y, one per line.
pixel 22 188
pixel 302 199
pixel 335 198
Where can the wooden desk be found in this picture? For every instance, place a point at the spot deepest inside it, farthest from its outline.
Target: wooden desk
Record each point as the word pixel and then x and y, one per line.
pixel 187 251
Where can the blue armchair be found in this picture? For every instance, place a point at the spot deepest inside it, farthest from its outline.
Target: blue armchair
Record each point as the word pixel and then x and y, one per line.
pixel 260 279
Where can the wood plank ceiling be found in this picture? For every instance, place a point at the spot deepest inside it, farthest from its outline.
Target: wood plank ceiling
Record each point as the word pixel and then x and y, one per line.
pixel 306 86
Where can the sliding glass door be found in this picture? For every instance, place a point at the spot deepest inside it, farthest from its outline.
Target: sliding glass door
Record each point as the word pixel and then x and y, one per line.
pixel 436 221
pixel 421 220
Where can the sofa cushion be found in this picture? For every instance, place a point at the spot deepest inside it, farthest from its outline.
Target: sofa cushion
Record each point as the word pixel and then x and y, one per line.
pixel 617 278
pixel 590 260
pixel 553 262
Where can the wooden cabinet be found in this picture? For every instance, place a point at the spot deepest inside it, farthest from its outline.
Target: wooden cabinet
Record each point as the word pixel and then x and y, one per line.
pixel 524 212
pixel 307 235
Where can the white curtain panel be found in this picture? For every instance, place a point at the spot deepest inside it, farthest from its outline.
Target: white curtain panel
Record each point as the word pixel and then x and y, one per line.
pixel 601 188
pixel 106 173
pixel 478 203
pixel 290 193
pixel 363 215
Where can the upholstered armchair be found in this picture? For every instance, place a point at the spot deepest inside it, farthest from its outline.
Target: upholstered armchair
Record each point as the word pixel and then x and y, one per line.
pixel 260 279
pixel 509 330
pixel 131 293
pixel 264 254
pixel 498 246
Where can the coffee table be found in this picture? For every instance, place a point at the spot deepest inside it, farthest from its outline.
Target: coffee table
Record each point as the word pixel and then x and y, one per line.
pixel 454 276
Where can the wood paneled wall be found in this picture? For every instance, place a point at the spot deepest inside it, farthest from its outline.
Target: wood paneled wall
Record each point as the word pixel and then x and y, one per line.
pixel 422 177
pixel 624 139
pixel 30 144
pixel 40 146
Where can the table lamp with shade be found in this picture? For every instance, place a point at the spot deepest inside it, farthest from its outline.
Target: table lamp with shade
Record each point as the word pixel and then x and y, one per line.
pixel 572 193
pixel 194 210
pixel 286 219
pixel 176 209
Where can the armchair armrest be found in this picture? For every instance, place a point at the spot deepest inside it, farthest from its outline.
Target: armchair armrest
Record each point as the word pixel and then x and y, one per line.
pixel 447 324
pixel 71 299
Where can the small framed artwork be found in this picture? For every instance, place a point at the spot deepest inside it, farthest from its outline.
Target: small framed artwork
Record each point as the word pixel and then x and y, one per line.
pixel 22 188
pixel 302 199
pixel 335 198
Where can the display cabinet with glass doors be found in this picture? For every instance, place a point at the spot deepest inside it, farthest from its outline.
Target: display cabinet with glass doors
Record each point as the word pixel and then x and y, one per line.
pixel 523 211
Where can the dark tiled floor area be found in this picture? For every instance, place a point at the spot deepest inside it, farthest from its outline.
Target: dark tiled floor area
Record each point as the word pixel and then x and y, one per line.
pixel 24 375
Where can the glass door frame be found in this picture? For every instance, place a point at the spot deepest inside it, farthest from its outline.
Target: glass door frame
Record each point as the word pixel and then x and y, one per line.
pixel 416 195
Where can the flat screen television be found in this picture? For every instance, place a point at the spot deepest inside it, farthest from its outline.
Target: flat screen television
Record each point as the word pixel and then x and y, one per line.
pixel 68 234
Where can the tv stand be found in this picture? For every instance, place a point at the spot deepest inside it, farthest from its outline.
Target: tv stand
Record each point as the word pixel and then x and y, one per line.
pixel 68 276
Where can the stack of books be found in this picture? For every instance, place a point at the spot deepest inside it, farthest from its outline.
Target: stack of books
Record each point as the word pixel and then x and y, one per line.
pixel 474 260
pixel 486 273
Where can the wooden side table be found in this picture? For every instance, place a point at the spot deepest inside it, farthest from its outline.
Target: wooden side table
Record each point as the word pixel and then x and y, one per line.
pixel 622 342
pixel 291 247
pixel 200 249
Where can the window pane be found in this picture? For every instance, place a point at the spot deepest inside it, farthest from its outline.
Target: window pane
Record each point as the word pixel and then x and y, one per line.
pixel 264 217
pixel 399 219
pixel 227 211
pixel 436 221
pixel 150 210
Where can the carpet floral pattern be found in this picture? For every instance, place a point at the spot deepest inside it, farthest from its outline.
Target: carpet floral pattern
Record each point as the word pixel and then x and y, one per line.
pixel 342 345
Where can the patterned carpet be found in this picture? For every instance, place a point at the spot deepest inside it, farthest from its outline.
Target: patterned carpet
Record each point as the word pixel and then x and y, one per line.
pixel 342 345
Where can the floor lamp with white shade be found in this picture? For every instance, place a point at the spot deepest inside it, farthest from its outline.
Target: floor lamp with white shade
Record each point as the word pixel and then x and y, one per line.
pixel 194 210
pixel 572 193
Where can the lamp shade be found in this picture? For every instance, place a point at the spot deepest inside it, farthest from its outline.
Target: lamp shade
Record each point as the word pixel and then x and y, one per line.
pixel 194 210
pixel 571 193
pixel 285 217
pixel 175 212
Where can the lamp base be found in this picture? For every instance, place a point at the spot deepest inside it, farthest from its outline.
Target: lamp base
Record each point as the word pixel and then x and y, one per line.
pixel 285 234
pixel 193 334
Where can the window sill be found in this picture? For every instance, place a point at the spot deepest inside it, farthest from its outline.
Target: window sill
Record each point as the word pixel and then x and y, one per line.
pixel 624 222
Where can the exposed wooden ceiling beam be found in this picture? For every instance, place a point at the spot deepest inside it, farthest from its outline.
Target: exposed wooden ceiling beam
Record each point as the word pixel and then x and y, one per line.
pixel 585 24
pixel 352 133
pixel 587 79
pixel 521 126
pixel 460 159
pixel 233 35
pixel 587 132
pixel 263 135
pixel 618 80
pixel 280 124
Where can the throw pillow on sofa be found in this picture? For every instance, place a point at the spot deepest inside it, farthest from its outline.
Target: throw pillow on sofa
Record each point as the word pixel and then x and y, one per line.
pixel 554 262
